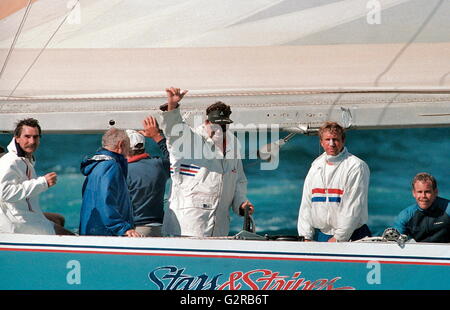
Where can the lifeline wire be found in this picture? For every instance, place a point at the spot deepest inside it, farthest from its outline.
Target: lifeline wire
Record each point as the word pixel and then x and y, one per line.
pixel 42 50
pixel 13 44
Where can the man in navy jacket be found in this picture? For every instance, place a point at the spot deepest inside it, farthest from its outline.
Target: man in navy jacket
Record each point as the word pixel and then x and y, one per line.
pixel 106 208
pixel 147 177
pixel 428 220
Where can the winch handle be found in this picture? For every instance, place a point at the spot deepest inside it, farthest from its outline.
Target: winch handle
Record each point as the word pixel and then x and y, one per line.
pixel 249 223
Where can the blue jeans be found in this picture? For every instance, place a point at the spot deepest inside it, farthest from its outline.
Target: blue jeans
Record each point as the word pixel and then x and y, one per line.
pixel 359 233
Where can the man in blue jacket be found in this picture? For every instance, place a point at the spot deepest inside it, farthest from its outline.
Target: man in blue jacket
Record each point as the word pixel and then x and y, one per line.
pixel 106 208
pixel 428 220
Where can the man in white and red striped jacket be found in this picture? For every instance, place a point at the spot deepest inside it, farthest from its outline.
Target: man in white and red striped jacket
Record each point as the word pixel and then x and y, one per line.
pixel 334 200
pixel 208 178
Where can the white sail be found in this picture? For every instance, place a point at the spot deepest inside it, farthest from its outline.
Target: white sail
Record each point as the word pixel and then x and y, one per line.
pixel 81 64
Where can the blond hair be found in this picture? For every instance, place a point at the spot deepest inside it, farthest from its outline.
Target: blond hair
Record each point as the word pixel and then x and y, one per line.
pixel 424 177
pixel 332 127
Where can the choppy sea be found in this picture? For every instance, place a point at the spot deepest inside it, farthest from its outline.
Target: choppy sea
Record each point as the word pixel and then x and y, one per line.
pixel 394 156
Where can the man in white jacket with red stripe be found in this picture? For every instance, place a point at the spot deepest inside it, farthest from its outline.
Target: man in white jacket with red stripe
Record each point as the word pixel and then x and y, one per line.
pixel 334 200
pixel 206 170
pixel 20 186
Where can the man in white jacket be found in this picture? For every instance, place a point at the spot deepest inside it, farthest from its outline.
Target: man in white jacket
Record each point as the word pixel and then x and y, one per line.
pixel 206 170
pixel 20 186
pixel 334 199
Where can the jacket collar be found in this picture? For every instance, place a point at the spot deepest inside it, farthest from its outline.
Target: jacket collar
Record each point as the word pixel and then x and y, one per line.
pixel 89 163
pixel 438 204
pixel 334 160
pixel 119 158
pixel 324 159
pixel 136 158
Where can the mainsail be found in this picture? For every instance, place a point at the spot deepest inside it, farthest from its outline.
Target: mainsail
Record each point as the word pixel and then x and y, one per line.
pixel 82 66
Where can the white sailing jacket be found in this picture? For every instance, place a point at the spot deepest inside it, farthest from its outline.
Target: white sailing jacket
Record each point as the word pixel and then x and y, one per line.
pixel 19 196
pixel 334 197
pixel 204 184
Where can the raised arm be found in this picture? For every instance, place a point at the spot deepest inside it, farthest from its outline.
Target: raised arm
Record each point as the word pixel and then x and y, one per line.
pixel 151 129
pixel 174 96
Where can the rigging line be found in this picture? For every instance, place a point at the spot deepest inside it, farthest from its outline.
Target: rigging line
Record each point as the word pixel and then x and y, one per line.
pixel 405 47
pixel 42 50
pixel 19 30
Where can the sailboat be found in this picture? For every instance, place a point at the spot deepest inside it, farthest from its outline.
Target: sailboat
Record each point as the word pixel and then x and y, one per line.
pixel 83 66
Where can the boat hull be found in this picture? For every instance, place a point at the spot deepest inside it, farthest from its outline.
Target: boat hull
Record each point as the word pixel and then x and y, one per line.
pixel 109 263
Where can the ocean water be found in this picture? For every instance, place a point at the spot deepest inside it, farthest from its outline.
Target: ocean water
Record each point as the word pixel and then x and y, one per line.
pixel 394 156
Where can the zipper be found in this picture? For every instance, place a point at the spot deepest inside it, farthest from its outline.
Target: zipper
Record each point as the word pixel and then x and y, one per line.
pixel 219 196
pixel 28 173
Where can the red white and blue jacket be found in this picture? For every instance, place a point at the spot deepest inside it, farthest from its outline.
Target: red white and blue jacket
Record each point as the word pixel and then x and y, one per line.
pixel 205 183
pixel 334 198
